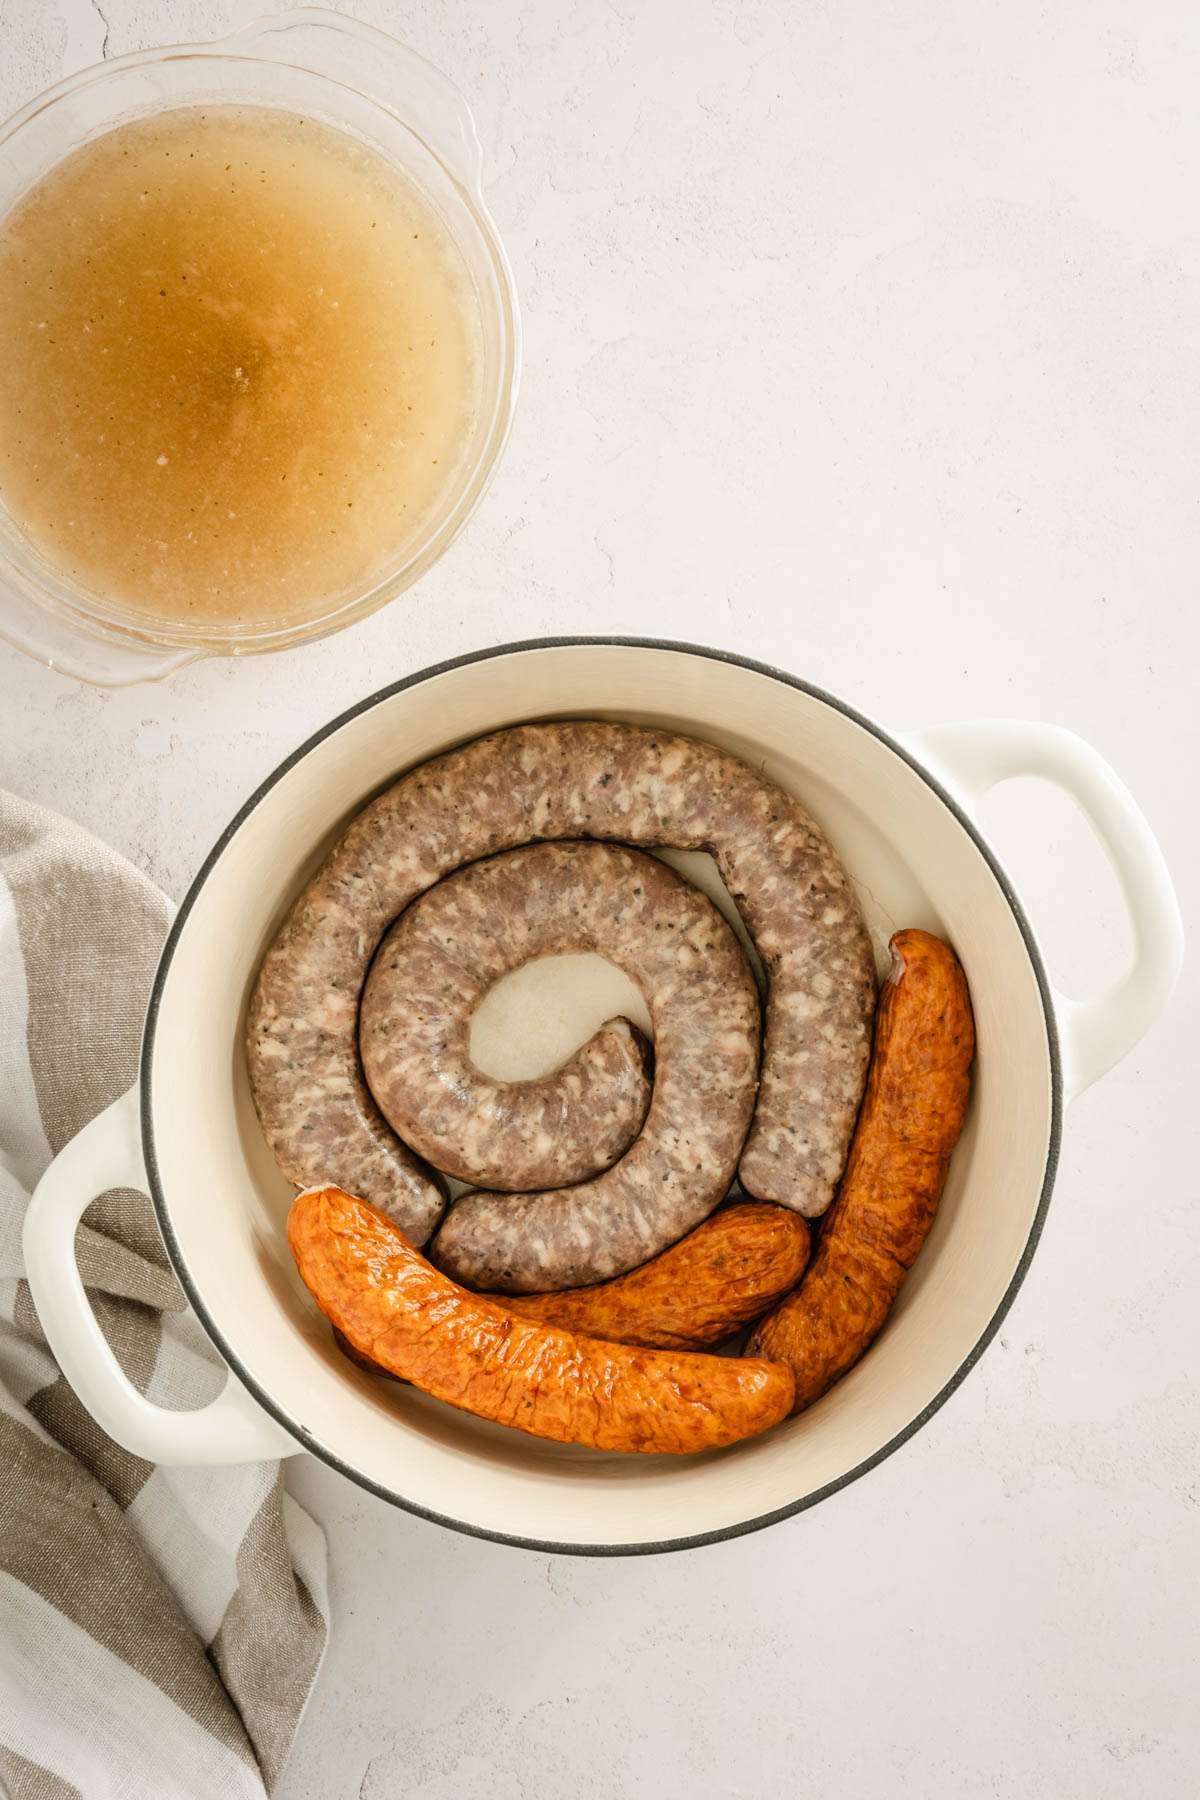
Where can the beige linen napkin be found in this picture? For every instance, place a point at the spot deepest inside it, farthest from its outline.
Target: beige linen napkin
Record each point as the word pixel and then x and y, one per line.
pixel 160 1629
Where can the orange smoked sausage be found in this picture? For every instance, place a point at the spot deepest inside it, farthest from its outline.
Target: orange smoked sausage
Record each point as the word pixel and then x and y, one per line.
pixel 398 1310
pixel 911 1118
pixel 699 1292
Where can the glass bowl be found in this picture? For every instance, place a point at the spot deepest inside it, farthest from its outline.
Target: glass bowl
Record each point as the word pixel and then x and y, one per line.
pixel 328 67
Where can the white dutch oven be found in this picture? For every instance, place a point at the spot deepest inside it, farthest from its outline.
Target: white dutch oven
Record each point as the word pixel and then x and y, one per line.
pixel 900 812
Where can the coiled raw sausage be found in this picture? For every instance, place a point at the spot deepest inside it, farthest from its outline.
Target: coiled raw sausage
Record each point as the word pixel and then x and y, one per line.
pixel 551 781
pixel 439 960
pixel 448 948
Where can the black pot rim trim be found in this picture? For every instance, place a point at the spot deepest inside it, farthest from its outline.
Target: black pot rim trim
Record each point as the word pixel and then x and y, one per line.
pixel 299 1432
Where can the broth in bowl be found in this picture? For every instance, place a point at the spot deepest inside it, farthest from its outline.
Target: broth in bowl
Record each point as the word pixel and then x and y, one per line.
pixel 242 367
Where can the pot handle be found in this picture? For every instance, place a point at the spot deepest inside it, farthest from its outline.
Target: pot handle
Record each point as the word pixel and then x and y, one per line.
pixel 108 1154
pixel 969 759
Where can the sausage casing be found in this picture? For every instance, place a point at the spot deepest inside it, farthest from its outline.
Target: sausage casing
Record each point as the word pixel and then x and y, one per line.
pixel 454 943
pixel 912 1115
pixel 402 1313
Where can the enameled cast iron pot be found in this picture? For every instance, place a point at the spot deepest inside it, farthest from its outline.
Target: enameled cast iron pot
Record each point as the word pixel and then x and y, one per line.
pixel 901 814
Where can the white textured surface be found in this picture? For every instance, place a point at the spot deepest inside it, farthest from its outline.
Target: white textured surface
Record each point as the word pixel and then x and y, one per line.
pixel 861 339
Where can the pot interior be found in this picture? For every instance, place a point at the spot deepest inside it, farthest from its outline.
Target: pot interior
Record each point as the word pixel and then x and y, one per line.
pixel 224 1203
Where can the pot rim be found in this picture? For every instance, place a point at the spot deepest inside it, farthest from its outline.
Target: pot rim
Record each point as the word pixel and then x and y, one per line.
pixel 266 1400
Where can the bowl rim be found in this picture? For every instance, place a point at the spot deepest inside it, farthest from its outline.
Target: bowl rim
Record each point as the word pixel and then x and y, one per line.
pixel 266 1400
pixel 29 575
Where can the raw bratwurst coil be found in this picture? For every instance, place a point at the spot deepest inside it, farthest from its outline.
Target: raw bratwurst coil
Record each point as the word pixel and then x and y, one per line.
pixel 395 1308
pixel 512 1135
pixel 553 781
pixel 443 954
pixel 434 967
pixel 913 1113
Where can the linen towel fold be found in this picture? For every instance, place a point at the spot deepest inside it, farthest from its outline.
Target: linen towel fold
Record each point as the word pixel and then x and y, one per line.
pixel 160 1629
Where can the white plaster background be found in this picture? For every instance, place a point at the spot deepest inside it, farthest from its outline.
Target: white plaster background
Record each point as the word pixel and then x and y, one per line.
pixel 862 338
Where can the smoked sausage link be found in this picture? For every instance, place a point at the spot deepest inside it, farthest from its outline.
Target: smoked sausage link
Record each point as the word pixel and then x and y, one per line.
pixel 398 1310
pixel 698 1293
pixel 912 1115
